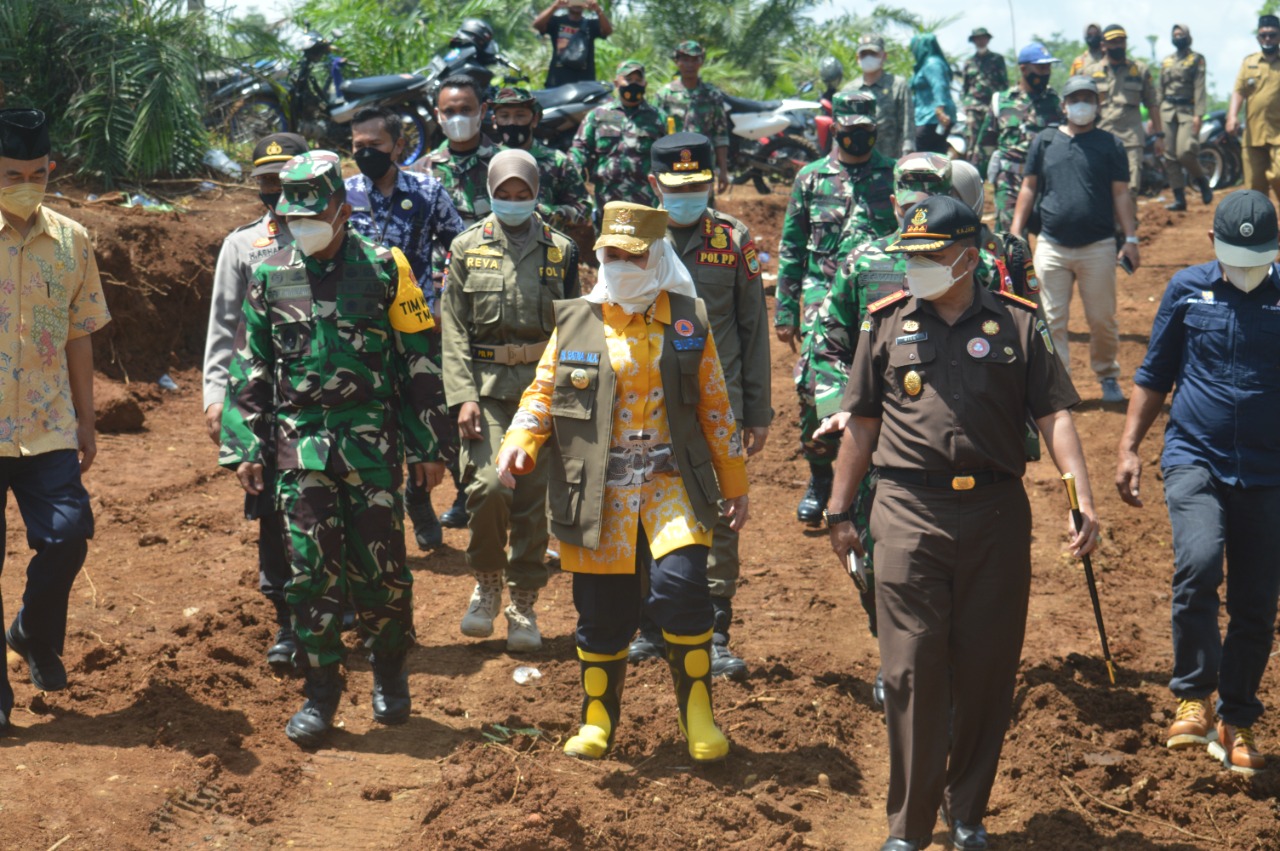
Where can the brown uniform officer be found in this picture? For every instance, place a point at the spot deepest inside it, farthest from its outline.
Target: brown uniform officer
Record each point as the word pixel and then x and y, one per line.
pixel 1182 105
pixel 940 387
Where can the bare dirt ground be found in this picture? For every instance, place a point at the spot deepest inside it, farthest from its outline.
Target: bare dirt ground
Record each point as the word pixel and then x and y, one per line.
pixel 171 734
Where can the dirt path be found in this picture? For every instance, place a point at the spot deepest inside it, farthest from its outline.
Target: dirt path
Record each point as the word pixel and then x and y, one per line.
pixel 171 733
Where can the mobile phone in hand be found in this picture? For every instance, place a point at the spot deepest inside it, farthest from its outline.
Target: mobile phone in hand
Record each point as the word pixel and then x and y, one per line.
pixel 858 570
pixel 1126 263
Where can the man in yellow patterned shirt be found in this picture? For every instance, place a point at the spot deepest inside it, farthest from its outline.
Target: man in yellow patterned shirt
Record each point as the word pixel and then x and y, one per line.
pixel 646 446
pixel 50 302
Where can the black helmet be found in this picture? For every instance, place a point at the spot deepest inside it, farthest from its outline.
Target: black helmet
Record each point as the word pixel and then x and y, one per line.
pixel 831 70
pixel 475 32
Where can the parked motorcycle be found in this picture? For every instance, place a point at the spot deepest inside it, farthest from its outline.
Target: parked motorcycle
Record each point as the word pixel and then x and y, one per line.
pixel 1220 154
pixel 773 140
pixel 314 99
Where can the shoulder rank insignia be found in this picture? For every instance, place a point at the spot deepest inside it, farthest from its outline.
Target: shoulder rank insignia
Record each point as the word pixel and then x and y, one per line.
pixel 546 232
pixel 488 229
pixel 1017 299
pixel 262 242
pixel 887 300
pixel 273 227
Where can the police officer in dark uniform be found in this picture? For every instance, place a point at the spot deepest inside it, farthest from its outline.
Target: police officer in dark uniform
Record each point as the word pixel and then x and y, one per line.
pixel 943 378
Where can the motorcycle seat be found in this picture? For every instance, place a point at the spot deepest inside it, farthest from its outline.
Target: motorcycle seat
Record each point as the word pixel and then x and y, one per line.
pixel 569 93
pixel 384 84
pixel 748 105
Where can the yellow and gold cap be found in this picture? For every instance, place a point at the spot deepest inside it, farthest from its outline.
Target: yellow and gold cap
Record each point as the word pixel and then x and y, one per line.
pixel 631 227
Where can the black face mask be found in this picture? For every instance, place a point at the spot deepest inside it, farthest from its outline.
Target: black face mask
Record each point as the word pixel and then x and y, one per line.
pixel 270 199
pixel 1093 42
pixel 857 141
pixel 372 163
pixel 513 135
pixel 1037 83
pixel 1116 54
pixel 1271 48
pixel 632 93
pixel 1181 43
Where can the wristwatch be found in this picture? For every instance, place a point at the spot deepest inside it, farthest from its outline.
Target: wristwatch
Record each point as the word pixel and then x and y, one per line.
pixel 832 519
pixel 1131 240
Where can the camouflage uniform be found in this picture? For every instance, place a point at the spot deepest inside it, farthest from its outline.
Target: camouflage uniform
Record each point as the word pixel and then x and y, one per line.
pixel 332 369
pixel 984 75
pixel 562 196
pixel 700 110
pixel 1019 116
pixel 834 208
pixel 612 151
pixel 465 177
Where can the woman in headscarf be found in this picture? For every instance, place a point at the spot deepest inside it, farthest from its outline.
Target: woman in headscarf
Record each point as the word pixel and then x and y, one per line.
pixel 935 111
pixel 630 404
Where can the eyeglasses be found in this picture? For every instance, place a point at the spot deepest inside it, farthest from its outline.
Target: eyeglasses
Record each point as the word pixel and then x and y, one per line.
pixel 1269 35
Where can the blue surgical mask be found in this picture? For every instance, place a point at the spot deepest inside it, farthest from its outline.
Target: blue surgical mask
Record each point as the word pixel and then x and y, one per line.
pixel 513 213
pixel 685 208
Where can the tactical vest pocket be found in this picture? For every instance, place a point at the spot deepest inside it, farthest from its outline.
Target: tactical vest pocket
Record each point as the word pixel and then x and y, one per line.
pixel 567 398
pixel 564 495
pixel 704 472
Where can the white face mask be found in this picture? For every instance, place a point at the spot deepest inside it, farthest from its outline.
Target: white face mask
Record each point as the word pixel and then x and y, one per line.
pixel 311 235
pixel 1245 278
pixel 628 285
pixel 928 279
pixel 870 62
pixel 1081 113
pixel 460 128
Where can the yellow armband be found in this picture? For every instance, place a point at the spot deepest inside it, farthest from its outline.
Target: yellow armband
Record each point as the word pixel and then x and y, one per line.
pixel 409 313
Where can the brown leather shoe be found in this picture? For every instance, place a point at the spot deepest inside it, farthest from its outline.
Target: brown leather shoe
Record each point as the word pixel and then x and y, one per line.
pixel 1243 756
pixel 1191 726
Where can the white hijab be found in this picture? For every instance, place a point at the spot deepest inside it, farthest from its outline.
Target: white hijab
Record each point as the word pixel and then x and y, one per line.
pixel 635 293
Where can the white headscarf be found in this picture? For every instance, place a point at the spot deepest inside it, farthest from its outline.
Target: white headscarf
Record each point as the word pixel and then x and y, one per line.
pixel 635 293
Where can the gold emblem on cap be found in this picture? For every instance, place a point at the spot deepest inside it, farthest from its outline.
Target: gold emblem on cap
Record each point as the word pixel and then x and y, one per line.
pixel 274 148
pixel 990 327
pixel 579 379
pixel 622 217
pixel 911 326
pixel 919 220
pixel 911 383
pixel 554 255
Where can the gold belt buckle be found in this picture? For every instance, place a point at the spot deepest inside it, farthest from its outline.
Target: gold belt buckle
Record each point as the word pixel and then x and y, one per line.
pixel 962 483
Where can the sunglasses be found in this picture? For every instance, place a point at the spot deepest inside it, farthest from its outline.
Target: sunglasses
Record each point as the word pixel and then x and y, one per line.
pixel 1269 35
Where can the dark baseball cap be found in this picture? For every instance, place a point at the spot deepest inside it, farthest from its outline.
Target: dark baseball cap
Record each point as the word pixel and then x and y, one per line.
pixel 935 223
pixel 272 152
pixel 681 158
pixel 1244 229
pixel 1268 21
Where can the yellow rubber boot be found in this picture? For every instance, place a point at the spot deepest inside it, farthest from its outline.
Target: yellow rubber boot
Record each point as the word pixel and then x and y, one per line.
pixel 603 676
pixel 690 660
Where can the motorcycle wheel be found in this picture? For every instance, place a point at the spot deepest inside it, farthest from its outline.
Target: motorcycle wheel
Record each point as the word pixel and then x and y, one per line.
pixel 1215 166
pixel 254 118
pixel 413 128
pixel 786 155
pixel 1235 165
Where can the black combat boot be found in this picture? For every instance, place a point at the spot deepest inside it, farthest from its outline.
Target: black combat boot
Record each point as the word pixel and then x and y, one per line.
pixel 456 517
pixel 815 497
pixel 426 526
pixel 280 653
pixel 44 664
pixel 1179 201
pixel 647 644
pixel 391 701
pixel 309 724
pixel 1206 191
pixel 723 662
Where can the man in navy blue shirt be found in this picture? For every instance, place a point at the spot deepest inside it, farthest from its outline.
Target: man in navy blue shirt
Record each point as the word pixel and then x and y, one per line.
pixel 1214 343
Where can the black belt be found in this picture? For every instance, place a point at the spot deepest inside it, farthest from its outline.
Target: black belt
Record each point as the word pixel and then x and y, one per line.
pixel 944 481
pixel 1180 101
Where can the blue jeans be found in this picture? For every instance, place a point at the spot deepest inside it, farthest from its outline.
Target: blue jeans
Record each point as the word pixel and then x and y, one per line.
pixel 1210 518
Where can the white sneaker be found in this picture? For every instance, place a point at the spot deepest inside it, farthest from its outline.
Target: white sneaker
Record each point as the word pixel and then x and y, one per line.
pixel 522 623
pixel 486 600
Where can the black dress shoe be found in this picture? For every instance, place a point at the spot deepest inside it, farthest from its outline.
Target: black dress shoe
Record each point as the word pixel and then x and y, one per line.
pixel 47 672
pixel 809 511
pixel 895 844
pixel 4 721
pixel 725 664
pixel 280 653
pixel 426 526
pixel 456 517
pixel 968 837
pixel 645 647
pixel 877 689
pixel 1206 191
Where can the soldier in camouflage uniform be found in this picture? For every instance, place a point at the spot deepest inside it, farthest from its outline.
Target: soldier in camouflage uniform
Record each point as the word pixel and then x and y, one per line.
pixel 698 105
pixel 984 74
pixel 613 141
pixel 837 204
pixel 1182 107
pixel 562 199
pixel 333 371
pixel 1020 114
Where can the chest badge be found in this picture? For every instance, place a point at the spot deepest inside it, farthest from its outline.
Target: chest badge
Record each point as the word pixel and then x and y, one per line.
pixel 262 243
pixel 911 383
pixel 720 239
pixel 554 255
pixel 978 347
pixel 1008 351
pixel 406 204
pixel 579 379
pixel 684 327
pixel 990 327
pixel 911 326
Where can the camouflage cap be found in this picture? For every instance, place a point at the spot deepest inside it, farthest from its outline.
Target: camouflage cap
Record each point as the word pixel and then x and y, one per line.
pixel 871 41
pixel 690 48
pixel 514 96
pixel 919 176
pixel 308 182
pixel 849 108
pixel 631 227
pixel 629 66
pixel 979 32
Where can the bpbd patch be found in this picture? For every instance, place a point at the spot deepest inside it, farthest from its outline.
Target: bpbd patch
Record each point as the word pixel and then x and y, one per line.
pixel 572 356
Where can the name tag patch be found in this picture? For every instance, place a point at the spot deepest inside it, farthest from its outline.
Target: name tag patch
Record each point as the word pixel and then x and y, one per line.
pixel 689 344
pixel 911 338
pixel 484 263
pixel 717 258
pixel 571 356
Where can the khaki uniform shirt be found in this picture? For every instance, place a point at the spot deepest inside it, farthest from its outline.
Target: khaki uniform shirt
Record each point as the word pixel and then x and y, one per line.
pixel 1182 90
pixel 955 398
pixel 1122 92
pixel 1259 83
pixel 497 296
pixel 722 258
